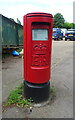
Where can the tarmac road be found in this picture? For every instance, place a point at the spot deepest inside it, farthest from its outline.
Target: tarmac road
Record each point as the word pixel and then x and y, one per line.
pixel 61 78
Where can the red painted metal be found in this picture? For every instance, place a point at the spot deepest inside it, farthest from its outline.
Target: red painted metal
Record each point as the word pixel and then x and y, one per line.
pixel 37 54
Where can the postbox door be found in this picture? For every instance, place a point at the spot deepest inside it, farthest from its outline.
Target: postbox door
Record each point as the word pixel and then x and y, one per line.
pixel 39 40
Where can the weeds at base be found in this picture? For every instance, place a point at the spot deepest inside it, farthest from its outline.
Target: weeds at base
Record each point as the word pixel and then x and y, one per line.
pixel 16 98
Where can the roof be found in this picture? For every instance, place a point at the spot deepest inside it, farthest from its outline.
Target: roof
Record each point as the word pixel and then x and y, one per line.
pixel 39 14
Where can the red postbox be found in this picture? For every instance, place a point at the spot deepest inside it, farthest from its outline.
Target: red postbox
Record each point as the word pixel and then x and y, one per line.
pixel 37 55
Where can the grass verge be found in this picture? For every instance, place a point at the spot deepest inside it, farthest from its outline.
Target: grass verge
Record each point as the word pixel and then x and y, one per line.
pixel 53 91
pixel 16 97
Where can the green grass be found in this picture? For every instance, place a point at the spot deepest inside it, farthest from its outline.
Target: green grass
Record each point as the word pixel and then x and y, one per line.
pixel 53 91
pixel 16 97
pixel 19 50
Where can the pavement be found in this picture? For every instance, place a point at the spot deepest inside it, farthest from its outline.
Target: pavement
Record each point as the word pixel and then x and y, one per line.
pixel 12 75
pixel 61 78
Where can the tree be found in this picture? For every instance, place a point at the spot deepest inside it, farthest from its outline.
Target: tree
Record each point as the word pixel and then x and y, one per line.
pixel 58 20
pixel 69 25
pixel 18 21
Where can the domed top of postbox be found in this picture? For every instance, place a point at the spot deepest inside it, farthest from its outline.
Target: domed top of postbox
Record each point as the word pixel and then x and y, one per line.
pixel 33 14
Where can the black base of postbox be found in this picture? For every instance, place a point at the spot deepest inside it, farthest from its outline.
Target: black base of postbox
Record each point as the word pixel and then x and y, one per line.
pixel 38 92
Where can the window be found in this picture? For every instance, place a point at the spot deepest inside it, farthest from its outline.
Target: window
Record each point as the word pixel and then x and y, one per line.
pixel 40 34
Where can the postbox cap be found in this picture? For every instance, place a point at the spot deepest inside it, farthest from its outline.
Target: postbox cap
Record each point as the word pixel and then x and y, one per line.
pixel 39 14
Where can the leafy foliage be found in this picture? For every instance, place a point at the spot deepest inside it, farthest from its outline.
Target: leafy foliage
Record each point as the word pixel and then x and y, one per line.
pixel 17 98
pixel 69 25
pixel 58 20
